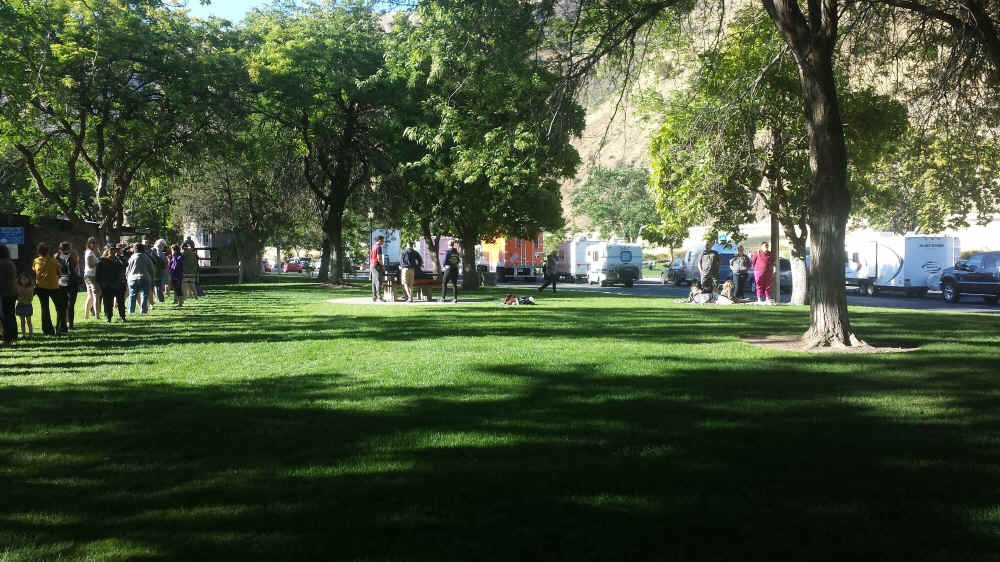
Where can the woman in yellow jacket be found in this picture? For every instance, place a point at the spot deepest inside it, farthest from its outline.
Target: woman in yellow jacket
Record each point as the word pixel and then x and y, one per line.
pixel 47 278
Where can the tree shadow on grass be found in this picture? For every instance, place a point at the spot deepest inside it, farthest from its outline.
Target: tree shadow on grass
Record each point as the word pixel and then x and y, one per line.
pixel 774 460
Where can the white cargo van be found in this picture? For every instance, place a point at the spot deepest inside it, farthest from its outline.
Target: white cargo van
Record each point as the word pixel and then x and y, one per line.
pixel 614 263
pixel 891 262
pixel 574 262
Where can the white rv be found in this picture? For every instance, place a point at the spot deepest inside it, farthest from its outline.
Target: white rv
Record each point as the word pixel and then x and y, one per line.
pixel 614 262
pixel 574 262
pixel 891 262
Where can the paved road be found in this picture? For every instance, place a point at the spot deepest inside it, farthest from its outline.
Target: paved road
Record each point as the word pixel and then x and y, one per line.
pixel 650 288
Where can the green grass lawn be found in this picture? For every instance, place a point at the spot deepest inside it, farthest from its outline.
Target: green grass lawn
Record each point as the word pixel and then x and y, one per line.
pixel 264 423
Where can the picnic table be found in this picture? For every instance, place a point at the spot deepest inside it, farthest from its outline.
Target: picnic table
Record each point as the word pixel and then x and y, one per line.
pixel 422 286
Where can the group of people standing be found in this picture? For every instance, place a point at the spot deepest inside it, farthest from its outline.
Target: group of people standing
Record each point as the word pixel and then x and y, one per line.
pixel 761 264
pixel 145 272
pixel 410 263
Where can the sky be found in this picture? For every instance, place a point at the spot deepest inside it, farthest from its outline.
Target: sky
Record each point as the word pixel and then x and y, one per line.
pixel 232 10
pixel 235 10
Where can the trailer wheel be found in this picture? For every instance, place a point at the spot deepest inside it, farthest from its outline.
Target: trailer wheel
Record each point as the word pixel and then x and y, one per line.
pixel 628 284
pixel 949 291
pixel 604 283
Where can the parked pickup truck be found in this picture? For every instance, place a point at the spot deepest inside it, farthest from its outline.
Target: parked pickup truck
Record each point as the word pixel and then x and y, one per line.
pixel 977 276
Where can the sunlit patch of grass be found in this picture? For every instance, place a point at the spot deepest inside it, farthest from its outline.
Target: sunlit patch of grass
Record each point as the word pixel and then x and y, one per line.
pixel 266 423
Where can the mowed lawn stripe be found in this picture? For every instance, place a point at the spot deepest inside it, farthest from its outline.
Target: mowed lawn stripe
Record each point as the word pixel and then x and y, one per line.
pixel 267 423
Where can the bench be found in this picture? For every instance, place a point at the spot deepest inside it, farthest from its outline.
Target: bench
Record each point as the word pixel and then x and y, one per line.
pixel 422 287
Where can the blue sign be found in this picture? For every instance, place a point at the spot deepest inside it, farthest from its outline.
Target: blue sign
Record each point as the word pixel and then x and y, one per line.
pixel 11 235
pixel 626 256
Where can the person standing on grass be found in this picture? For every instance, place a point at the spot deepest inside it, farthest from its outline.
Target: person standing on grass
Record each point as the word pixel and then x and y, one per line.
pixel 763 268
pixel 190 284
pixel 122 254
pixel 46 270
pixel 108 277
pixel 177 274
pixel 708 268
pixel 740 264
pixel 69 279
pixel 24 310
pixel 158 255
pixel 550 273
pixel 8 295
pixel 90 259
pixel 450 264
pixel 376 264
pixel 409 263
pixel 140 273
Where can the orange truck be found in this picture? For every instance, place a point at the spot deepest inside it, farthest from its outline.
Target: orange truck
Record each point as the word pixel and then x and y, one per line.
pixel 513 259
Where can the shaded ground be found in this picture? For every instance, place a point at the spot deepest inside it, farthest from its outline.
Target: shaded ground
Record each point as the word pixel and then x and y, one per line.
pixel 267 424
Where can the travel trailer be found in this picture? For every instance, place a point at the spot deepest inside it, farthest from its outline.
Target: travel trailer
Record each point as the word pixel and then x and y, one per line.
pixel 613 263
pixel 885 261
pixel 574 264
pixel 513 259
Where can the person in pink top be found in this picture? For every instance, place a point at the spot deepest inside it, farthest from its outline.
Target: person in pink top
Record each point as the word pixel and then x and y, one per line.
pixel 762 263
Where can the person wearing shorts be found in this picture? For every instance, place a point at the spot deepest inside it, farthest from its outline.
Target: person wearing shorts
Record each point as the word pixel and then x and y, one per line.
pixel 90 258
pixel 409 263
pixel 23 308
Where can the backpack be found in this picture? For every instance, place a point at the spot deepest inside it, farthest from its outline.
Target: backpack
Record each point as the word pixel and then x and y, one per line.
pixel 452 259
pixel 68 274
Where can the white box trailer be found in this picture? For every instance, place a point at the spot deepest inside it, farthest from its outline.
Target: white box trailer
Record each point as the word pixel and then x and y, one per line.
pixel 574 262
pixel 613 263
pixel 897 263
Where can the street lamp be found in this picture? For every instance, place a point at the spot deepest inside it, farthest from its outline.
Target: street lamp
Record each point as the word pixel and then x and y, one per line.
pixel 371 227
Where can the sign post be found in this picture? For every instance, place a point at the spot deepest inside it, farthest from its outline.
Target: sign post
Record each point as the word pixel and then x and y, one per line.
pixel 13 238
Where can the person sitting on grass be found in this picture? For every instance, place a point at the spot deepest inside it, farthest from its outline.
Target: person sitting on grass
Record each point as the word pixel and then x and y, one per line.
pixel 23 309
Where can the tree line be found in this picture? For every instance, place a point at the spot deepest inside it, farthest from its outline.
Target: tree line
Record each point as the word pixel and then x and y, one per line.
pixel 293 127
pixel 456 117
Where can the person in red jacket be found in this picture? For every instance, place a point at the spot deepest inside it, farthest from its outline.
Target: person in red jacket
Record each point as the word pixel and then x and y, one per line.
pixel 763 271
pixel 376 263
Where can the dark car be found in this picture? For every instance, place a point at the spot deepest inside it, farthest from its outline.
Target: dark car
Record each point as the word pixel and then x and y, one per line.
pixel 674 273
pixel 978 276
pixel 784 277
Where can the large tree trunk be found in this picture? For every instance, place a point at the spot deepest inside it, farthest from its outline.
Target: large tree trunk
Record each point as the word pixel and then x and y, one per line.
pixel 334 230
pixel 470 278
pixel 800 280
pixel 800 275
pixel 775 248
pixel 813 41
pixel 433 245
pixel 324 260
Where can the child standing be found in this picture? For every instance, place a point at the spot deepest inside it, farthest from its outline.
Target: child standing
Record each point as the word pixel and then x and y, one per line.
pixel 23 309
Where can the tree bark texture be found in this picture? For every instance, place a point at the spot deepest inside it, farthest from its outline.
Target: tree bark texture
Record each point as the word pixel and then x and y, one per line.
pixel 812 39
pixel 775 248
pixel 433 245
pixel 470 277
pixel 324 260
pixel 334 230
